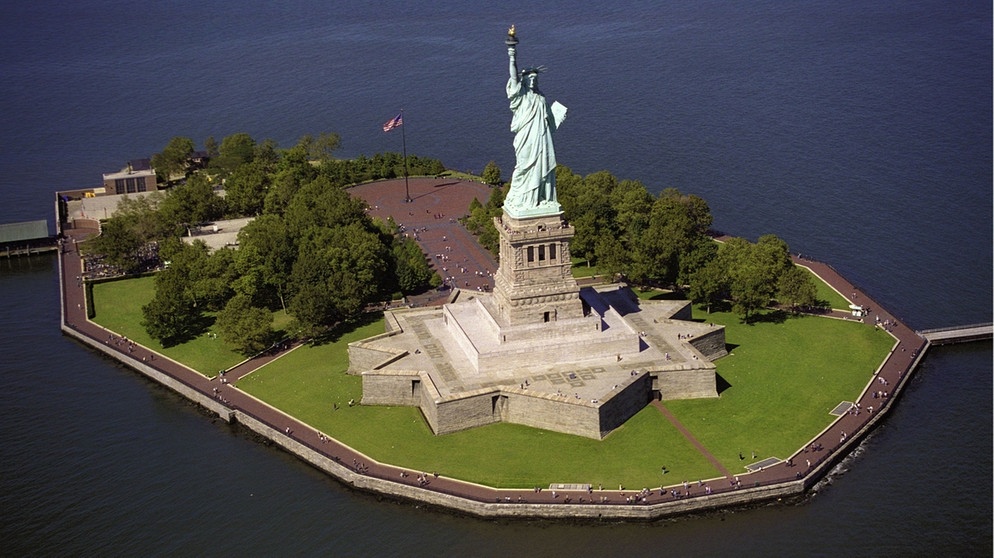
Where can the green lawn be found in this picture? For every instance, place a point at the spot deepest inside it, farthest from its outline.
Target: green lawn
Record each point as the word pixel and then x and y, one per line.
pixel 117 306
pixel 311 380
pixel 783 379
pixel 828 294
pixel 581 270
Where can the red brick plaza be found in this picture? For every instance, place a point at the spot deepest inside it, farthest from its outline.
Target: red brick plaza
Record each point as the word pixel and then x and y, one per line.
pixel 437 204
pixel 432 217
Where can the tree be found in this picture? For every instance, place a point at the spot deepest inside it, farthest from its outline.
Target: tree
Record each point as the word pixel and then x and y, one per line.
pixel 192 203
pixel 410 266
pixel 246 327
pixel 211 147
pixel 709 284
pixel 338 270
pixel 142 216
pixel 754 271
pixel 676 223
pixel 245 190
pixel 590 212
pixel 703 251
pixel 773 255
pixel 234 151
pixel 319 204
pixel 321 148
pixel 214 278
pixel 265 259
pixel 291 173
pixel 491 174
pixel 267 153
pixel 119 243
pixel 172 316
pixel 480 221
pixel 796 289
pixel 173 160
pixel 632 205
pixel 612 257
pixel 750 290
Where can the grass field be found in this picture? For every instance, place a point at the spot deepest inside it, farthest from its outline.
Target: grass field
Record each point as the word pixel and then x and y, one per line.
pixel 118 307
pixel 783 379
pixel 311 380
pixel 827 293
pixel 783 376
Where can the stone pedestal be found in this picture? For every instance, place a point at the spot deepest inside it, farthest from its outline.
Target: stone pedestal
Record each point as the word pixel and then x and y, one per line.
pixel 534 283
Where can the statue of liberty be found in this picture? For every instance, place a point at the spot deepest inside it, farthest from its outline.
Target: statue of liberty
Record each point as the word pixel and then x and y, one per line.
pixel 533 183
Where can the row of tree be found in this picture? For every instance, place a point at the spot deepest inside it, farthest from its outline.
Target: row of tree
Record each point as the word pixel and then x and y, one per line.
pixel 312 250
pixel 663 240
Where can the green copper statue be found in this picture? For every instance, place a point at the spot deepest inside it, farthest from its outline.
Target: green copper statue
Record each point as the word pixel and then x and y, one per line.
pixel 533 184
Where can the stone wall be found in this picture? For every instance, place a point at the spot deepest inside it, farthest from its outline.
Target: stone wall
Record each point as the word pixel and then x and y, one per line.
pixel 618 409
pixel 685 313
pixel 560 329
pixel 392 387
pixel 190 393
pixel 711 344
pixel 362 356
pixel 558 350
pixel 461 337
pixel 685 384
pixel 563 414
pixel 469 411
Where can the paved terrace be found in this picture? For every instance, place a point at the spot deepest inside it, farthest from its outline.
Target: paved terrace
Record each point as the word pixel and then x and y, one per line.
pixel 432 218
pixel 429 346
pixel 766 479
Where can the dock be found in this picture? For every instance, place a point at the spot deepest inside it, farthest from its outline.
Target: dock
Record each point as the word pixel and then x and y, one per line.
pixel 26 238
pixel 957 334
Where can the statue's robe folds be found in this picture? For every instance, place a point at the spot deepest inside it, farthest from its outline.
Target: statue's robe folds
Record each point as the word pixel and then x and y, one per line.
pixel 533 123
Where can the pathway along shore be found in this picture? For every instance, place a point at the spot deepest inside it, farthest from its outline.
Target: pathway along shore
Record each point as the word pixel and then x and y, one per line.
pixel 778 480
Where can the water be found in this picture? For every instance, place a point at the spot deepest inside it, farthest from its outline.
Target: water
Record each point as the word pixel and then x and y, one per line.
pixel 859 132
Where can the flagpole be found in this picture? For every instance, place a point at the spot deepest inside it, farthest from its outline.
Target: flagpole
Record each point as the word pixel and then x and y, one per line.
pixel 403 135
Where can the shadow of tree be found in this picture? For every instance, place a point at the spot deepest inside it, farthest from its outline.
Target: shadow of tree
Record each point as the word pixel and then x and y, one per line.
pixel 194 328
pixel 769 317
pixel 335 333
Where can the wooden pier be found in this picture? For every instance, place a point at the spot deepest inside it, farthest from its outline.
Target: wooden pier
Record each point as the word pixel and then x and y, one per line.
pixel 957 334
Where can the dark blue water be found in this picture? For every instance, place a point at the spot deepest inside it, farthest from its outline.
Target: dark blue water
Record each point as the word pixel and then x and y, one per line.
pixel 859 132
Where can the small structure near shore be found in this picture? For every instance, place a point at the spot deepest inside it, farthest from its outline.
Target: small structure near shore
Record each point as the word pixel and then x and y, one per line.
pixel 25 238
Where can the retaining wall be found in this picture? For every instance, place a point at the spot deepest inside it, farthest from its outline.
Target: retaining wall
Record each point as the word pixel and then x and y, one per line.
pixel 685 384
pixel 183 389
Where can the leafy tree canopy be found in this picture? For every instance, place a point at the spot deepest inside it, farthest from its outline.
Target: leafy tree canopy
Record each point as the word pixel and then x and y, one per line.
pixel 192 203
pixel 246 327
pixel 172 162
pixel 491 174
pixel 234 151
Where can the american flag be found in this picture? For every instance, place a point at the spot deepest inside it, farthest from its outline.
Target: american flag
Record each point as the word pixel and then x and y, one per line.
pixel 394 122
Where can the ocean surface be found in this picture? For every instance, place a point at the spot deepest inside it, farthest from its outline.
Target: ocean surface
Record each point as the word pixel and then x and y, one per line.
pixel 860 132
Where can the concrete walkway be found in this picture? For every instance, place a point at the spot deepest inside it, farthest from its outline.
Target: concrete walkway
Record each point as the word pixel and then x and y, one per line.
pixel 809 462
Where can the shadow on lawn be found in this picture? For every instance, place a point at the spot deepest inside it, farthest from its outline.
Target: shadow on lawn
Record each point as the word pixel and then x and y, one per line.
pixel 771 317
pixel 721 384
pixel 336 333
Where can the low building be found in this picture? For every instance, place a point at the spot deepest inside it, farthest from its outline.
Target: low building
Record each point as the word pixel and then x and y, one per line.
pixel 138 176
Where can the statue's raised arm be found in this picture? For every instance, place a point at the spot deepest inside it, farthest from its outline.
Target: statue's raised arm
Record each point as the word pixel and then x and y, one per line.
pixel 533 183
pixel 512 47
